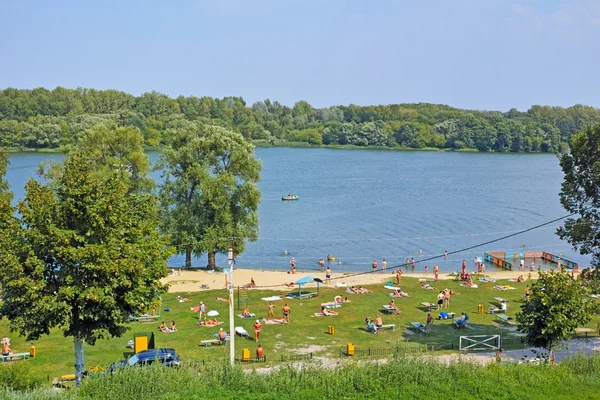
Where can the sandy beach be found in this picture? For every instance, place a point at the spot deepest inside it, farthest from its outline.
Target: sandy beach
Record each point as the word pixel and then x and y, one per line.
pixel 192 280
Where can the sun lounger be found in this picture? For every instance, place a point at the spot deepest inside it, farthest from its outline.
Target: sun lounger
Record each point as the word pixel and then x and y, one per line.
pixel 428 306
pixel 392 287
pixel 332 306
pixel 15 356
pixel 494 310
pixel 418 327
pixel 388 326
pixel 505 318
pixel 388 309
pixel 251 315
pixel 240 331
pixel 500 300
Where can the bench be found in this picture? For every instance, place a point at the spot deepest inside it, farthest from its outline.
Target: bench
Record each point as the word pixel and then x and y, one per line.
pixel 505 318
pixel 500 300
pixel 388 326
pixel 205 343
pixel 428 306
pixel 419 327
pixel 15 356
pixel 145 318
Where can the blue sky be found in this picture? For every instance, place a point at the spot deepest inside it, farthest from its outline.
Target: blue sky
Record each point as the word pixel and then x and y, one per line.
pixel 478 54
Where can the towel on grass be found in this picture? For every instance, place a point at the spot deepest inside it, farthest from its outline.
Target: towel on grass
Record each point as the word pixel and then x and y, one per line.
pixel 249 316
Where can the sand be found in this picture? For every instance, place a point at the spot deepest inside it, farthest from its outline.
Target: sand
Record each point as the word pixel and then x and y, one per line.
pixel 191 280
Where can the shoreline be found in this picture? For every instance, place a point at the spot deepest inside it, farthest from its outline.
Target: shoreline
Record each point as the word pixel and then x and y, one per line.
pixel 192 280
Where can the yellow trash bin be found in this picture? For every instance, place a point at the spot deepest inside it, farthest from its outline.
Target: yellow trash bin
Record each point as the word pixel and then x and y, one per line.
pixel 245 354
pixel 350 349
pixel 32 351
pixel 331 330
pixel 480 309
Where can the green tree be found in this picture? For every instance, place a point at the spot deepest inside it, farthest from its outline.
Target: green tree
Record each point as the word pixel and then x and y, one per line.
pixel 209 194
pixel 83 254
pixel 558 304
pixel 580 193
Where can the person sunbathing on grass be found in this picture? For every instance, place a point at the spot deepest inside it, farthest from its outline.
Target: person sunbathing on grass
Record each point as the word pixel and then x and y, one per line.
pixel 427 286
pixel 246 312
pixel 163 327
pixel 521 278
pixel 362 290
pixel 326 312
pixel 398 293
pixel 222 299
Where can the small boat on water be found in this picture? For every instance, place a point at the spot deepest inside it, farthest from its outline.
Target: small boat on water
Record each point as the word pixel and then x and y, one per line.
pixel 290 197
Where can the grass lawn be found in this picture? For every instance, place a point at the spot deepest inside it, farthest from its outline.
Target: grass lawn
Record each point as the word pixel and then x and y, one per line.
pixel 304 333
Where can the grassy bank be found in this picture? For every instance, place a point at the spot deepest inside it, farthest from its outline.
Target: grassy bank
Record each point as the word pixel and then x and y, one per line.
pixel 304 335
pixel 410 378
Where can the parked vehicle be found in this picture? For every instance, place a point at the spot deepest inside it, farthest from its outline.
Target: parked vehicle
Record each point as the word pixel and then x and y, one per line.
pixel 166 357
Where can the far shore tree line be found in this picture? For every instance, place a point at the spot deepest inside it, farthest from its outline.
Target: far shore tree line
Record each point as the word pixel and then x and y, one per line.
pixel 50 119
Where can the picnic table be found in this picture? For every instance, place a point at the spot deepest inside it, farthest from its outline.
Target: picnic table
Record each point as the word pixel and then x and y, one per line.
pixel 500 300
pixel 428 306
pixel 388 309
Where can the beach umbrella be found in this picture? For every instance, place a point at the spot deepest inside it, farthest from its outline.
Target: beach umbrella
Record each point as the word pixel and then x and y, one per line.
pixel 212 313
pixel 318 280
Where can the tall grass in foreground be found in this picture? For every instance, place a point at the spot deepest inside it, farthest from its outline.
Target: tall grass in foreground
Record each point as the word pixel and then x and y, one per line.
pixel 410 378
pixel 402 377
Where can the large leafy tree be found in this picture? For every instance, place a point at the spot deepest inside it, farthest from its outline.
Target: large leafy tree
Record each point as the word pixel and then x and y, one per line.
pixel 209 194
pixel 558 304
pixel 580 193
pixel 82 255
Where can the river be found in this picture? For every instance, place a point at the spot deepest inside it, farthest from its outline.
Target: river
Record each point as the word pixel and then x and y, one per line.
pixel 365 205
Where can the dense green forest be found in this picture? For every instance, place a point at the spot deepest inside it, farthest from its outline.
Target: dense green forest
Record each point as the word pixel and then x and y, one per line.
pixel 42 118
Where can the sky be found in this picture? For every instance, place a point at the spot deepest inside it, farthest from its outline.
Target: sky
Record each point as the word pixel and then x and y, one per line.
pixel 474 54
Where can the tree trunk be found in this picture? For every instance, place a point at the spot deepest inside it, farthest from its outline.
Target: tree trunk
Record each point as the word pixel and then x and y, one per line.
pixel 211 260
pixel 79 362
pixel 188 259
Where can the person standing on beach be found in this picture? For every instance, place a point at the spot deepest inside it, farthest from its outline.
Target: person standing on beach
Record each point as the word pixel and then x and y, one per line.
pixel 257 329
pixel 398 275
pixel 436 272
pixel 328 275
pixel 293 264
pixel 463 270
pixel 286 310
pixel 374 266
pixel 426 270
pixel 383 265
pixel 270 313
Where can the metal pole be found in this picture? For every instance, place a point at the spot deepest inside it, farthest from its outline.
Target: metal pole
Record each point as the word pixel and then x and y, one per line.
pixel 231 310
